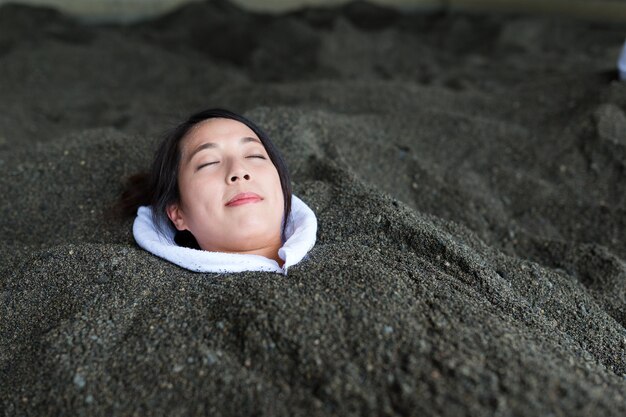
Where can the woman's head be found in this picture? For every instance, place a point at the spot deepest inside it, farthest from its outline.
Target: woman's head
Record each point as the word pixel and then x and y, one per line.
pixel 218 180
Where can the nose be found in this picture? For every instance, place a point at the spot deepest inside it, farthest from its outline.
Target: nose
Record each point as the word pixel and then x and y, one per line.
pixel 237 173
pixel 238 177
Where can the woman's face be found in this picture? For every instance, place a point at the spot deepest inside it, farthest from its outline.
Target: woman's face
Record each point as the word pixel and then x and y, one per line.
pixel 230 194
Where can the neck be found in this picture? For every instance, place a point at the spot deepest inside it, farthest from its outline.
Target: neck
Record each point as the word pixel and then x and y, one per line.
pixel 270 251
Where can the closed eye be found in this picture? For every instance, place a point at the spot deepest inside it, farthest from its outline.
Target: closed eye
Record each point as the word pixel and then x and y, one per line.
pixel 256 156
pixel 207 164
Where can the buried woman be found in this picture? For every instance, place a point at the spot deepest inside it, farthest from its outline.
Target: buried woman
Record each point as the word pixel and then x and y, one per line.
pixel 218 199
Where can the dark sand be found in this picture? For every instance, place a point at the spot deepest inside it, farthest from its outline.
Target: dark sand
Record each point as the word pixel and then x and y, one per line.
pixel 469 178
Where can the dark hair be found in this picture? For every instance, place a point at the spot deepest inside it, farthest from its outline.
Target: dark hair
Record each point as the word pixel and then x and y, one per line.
pixel 159 187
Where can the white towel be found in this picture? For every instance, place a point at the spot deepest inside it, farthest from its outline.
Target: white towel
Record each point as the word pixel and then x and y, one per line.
pixel 621 64
pixel 300 233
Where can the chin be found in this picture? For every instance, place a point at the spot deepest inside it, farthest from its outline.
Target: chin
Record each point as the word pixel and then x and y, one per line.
pixel 262 225
pixel 256 233
pixel 254 237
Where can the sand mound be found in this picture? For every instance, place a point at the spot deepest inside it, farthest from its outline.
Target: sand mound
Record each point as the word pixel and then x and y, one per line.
pixel 469 186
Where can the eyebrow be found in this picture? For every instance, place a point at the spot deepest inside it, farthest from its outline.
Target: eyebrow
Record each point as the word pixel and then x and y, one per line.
pixel 211 145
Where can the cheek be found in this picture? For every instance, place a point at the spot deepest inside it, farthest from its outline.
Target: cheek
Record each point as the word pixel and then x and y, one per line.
pixel 278 191
pixel 200 196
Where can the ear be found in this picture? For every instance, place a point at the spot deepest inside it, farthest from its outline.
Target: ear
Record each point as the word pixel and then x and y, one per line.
pixel 175 213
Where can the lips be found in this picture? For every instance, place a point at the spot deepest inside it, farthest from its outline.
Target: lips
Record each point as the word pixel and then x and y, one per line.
pixel 243 198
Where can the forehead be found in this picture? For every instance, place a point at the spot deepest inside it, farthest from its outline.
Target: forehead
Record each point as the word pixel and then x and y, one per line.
pixel 216 130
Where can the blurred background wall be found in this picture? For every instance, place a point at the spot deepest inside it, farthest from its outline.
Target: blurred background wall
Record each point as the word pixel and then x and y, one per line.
pixel 129 10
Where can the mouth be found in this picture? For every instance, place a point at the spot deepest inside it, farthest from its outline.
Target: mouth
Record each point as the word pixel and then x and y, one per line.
pixel 243 198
